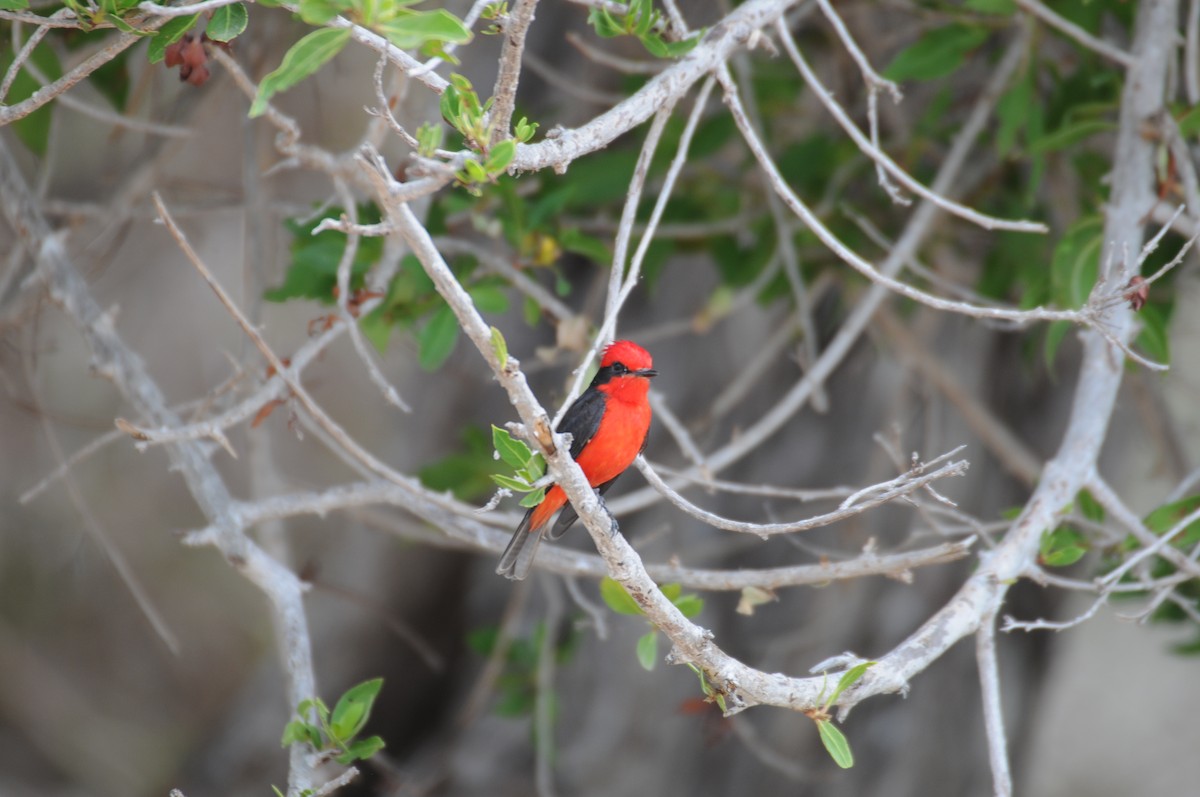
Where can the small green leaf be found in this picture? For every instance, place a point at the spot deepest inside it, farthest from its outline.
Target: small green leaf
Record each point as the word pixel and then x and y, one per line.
pixel 500 156
pixel 513 452
pixel 534 498
pixel 14 5
pixel 437 339
pixel 319 12
pixel 489 297
pixel 429 138
pixel 300 731
pixel 1153 339
pixel 617 598
pixel 847 680
pixel 672 591
pixel 659 47
pixel 500 347
pixel 227 23
pixel 647 650
pixel 352 710
pixel 412 29
pixel 936 54
pixel 1163 519
pixel 361 750
pixel 689 605
pixel 835 743
pixel 1089 507
pixel 1068 134
pixel 475 172
pixel 168 34
pixel 303 59
pixel 509 483
pixel 605 25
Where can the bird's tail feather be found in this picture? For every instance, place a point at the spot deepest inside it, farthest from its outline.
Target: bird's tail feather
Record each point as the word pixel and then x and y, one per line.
pixel 517 558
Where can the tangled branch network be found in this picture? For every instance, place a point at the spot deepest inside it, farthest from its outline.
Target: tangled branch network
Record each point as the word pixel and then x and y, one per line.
pixel 716 63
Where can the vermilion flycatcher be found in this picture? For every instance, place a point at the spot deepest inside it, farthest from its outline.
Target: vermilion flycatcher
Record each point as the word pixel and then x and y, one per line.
pixel 608 425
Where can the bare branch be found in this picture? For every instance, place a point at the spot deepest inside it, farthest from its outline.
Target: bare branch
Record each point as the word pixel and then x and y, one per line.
pixel 993 714
pixel 509 73
pixel 879 494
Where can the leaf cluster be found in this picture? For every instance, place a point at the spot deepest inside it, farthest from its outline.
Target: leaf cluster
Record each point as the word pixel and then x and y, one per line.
pixel 462 110
pixel 644 22
pixel 527 466
pixel 335 732
pixel 410 302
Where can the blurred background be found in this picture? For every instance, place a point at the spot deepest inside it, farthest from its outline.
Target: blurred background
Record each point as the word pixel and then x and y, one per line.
pixel 95 700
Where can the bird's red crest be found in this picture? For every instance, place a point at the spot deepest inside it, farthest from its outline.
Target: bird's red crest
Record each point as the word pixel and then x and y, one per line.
pixel 632 355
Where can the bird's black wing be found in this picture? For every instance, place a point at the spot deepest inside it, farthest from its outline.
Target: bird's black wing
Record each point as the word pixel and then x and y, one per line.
pixel 568 515
pixel 583 419
pixel 581 422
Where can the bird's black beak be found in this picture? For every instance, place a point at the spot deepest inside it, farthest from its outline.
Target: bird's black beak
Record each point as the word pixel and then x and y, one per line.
pixel 646 372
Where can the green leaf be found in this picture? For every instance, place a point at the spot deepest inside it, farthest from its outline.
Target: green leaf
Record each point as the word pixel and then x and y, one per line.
pixel 352 710
pixel 1014 110
pixel 303 59
pixel 500 347
pixel 689 605
pixel 513 452
pixel 647 650
pixel 320 12
pixel 300 731
pixel 14 5
pixel 315 258
pixel 437 338
pixel 1089 507
pixel 605 25
pixel 1068 134
pixel 361 750
pixel 227 23
pixel 509 483
pixel 1153 339
pixel 1062 547
pixel 847 680
pixel 500 156
pixel 33 129
pixel 572 240
pixel 413 29
pixel 659 47
pixel 992 6
pixel 835 743
pixel 671 591
pixel 617 598
pixel 534 498
pixel 1161 520
pixel 489 298
pixel 1075 262
pixel 936 54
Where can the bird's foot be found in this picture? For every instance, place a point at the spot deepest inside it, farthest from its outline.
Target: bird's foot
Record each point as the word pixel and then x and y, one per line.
pixel 614 528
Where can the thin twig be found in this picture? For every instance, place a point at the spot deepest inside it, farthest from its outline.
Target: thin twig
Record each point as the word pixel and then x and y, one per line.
pixel 1073 31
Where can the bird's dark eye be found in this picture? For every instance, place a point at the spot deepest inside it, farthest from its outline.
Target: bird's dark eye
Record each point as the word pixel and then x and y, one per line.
pixel 619 368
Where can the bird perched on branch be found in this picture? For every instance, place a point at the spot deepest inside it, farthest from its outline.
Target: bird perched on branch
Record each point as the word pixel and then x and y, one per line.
pixel 608 425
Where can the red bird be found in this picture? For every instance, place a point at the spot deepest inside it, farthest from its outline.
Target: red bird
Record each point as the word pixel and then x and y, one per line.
pixel 608 425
